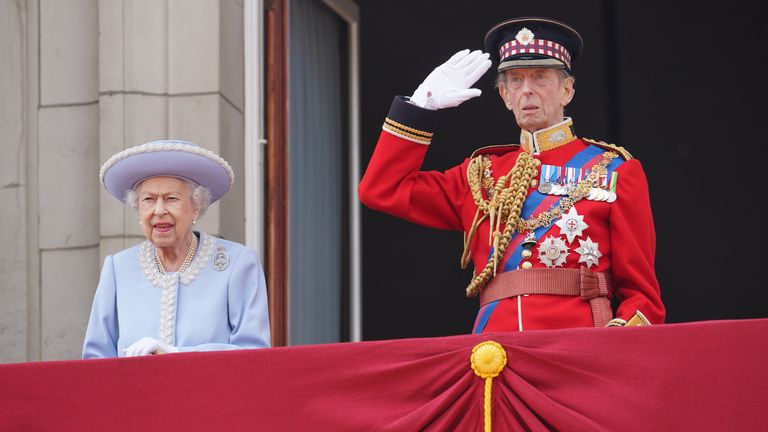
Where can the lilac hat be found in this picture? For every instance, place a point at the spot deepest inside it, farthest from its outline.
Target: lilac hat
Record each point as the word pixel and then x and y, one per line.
pixel 172 158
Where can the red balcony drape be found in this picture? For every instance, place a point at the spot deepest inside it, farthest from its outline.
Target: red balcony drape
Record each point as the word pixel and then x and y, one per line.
pixel 693 376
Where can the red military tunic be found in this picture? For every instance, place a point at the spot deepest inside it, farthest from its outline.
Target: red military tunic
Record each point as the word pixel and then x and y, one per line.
pixel 620 233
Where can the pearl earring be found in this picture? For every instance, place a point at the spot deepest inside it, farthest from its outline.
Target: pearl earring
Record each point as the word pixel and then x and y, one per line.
pixel 141 223
pixel 194 221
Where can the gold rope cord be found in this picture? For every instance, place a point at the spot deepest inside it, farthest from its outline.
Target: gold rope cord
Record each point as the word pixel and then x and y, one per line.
pixel 488 359
pixel 506 205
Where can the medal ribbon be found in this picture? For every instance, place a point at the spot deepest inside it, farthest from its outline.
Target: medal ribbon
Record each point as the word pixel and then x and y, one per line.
pixel 536 202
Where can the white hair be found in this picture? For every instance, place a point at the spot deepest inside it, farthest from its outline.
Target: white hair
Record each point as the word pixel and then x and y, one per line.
pixel 201 196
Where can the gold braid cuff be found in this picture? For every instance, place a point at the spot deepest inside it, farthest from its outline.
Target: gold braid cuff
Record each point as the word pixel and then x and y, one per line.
pixel 404 131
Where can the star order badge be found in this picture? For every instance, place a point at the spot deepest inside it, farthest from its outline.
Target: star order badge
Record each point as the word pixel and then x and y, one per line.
pixel 553 251
pixel 589 252
pixel 572 224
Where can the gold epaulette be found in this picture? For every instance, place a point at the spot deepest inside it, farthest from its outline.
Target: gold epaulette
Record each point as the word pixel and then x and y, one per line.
pixel 622 151
pixel 495 149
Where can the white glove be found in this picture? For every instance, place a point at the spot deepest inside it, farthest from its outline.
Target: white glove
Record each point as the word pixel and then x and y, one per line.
pixel 449 84
pixel 148 345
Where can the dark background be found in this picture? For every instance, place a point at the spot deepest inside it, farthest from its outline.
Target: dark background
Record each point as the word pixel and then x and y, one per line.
pixel 676 83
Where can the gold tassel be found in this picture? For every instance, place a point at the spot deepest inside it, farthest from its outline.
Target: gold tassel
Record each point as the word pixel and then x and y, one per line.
pixel 496 236
pixel 492 218
pixel 488 360
pixel 466 255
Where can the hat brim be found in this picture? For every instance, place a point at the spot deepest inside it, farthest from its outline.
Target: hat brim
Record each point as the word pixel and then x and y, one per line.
pixel 124 171
pixel 531 63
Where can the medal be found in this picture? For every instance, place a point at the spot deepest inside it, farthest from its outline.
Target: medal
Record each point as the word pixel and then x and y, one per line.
pixel 612 187
pixel 552 252
pixel 606 191
pixel 548 178
pixel 572 224
pixel 571 176
pixel 601 195
pixel 529 241
pixel 597 194
pixel 592 194
pixel 589 252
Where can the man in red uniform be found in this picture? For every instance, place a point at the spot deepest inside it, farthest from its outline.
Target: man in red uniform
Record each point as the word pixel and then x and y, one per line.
pixel 559 228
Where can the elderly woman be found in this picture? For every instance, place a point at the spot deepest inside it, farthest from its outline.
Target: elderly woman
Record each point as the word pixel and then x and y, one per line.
pixel 180 290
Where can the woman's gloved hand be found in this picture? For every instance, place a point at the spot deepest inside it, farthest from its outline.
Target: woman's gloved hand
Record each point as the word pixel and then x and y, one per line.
pixel 147 346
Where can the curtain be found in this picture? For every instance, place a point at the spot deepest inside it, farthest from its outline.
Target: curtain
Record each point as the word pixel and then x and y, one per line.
pixel 674 377
pixel 316 173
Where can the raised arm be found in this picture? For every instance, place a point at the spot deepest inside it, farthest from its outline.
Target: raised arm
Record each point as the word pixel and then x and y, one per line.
pixel 393 182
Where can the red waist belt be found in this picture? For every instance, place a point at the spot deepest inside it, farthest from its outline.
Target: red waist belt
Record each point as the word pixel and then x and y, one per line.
pixel 594 287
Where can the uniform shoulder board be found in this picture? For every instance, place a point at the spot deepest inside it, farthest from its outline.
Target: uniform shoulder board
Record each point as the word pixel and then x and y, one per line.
pixel 622 151
pixel 498 149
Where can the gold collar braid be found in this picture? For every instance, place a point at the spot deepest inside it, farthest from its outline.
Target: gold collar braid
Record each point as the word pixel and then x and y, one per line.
pixel 548 139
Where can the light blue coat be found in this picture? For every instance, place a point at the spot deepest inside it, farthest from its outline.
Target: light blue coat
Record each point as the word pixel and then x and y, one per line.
pixel 219 303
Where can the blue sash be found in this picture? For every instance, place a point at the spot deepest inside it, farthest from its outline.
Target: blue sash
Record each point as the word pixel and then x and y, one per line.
pixel 532 202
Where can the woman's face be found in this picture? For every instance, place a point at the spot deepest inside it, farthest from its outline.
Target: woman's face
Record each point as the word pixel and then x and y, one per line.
pixel 166 210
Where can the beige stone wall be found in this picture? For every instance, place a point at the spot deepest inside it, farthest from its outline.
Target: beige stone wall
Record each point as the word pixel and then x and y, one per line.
pixel 85 79
pixel 13 183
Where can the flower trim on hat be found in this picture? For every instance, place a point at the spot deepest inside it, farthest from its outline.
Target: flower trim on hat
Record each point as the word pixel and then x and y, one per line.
pixel 164 147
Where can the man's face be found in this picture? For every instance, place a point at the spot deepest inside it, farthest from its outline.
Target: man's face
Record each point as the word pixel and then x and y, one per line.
pixel 537 96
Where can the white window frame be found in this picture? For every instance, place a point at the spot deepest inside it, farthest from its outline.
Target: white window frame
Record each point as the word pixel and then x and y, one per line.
pixel 255 143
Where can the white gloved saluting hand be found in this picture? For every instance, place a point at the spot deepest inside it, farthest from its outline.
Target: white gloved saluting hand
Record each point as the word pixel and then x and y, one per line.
pixel 148 345
pixel 449 84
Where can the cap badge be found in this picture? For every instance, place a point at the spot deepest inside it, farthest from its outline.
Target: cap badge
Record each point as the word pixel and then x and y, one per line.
pixel 524 36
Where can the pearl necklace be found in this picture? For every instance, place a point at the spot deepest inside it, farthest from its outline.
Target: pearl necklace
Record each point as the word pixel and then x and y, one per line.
pixel 187 260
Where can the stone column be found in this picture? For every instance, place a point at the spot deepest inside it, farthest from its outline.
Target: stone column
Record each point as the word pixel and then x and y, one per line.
pixel 81 80
pixel 67 161
pixel 13 182
pixel 171 69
